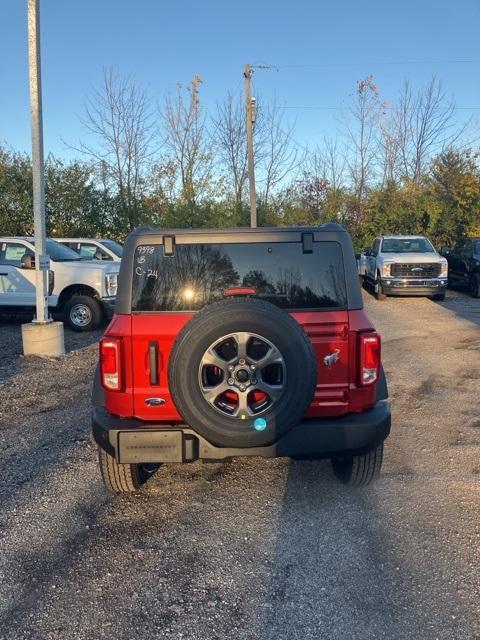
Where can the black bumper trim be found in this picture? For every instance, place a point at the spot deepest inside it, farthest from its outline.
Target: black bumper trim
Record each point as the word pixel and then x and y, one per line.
pixel 413 291
pixel 322 437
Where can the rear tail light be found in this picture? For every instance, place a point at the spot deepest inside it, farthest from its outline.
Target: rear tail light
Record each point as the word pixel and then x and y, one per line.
pixel 369 358
pixel 111 361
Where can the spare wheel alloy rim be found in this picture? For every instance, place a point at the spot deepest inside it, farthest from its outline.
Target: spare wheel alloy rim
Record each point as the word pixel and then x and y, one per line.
pixel 80 315
pixel 242 375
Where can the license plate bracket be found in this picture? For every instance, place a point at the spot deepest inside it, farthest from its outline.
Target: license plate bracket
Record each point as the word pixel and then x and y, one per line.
pixel 144 446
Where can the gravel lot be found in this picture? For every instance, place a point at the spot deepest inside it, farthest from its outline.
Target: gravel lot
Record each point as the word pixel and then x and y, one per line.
pixel 253 549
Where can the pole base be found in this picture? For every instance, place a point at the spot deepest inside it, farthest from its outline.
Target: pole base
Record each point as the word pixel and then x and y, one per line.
pixel 43 339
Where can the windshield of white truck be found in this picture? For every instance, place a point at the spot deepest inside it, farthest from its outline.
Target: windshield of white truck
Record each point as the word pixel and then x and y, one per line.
pixel 407 245
pixel 58 252
pixel 114 246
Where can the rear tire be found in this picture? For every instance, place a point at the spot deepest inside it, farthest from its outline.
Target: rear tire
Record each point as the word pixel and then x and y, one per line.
pixel 123 478
pixel 358 471
pixel 475 285
pixel 82 313
pixel 379 295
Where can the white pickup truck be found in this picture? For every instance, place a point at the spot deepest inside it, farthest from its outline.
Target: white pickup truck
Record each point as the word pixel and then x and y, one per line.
pixel 405 265
pixel 82 291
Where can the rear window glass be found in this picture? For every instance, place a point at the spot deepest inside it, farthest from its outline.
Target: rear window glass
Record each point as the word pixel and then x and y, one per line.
pixel 199 274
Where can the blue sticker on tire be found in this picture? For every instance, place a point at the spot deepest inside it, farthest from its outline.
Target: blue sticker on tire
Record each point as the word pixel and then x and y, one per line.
pixel 260 424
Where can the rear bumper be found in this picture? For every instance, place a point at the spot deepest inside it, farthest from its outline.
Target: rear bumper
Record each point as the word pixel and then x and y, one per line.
pixel 135 441
pixel 414 286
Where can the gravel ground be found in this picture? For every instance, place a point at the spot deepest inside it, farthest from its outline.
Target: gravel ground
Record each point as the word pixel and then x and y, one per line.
pixel 254 549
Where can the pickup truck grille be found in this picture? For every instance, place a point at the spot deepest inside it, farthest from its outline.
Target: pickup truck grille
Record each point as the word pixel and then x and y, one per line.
pixel 422 270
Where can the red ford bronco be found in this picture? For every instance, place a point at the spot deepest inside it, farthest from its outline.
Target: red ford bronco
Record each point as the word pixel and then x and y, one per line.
pixel 239 342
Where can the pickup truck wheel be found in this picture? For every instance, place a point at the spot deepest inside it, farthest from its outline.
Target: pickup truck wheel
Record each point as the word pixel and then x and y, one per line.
pixel 475 285
pixel 82 313
pixel 358 471
pixel 439 296
pixel 123 478
pixel 379 295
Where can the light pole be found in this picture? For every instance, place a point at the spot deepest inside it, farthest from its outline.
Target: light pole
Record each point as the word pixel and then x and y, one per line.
pixel 42 336
pixel 34 71
pixel 250 117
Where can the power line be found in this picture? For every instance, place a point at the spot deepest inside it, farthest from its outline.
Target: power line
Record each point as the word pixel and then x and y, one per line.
pixel 367 63
pixel 338 108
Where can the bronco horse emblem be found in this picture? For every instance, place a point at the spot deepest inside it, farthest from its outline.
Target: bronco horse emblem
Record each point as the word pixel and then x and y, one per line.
pixel 331 358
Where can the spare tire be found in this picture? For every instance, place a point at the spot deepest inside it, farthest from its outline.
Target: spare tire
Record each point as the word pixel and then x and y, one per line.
pixel 242 372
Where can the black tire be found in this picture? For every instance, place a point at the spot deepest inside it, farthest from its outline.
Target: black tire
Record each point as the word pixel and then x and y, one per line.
pixel 82 313
pixel 358 471
pixel 264 320
pixel 123 478
pixel 378 289
pixel 474 285
pixel 439 296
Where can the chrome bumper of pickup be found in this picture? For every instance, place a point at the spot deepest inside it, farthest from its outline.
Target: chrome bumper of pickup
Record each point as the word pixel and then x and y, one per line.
pixel 414 282
pixel 414 286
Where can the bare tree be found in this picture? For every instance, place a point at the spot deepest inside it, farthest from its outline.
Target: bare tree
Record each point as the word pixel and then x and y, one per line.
pixel 186 142
pixel 389 149
pixel 119 118
pixel 360 126
pixel 424 125
pixel 229 133
pixel 432 125
pixel 275 154
pixel 328 162
pixel 401 127
pixel 163 183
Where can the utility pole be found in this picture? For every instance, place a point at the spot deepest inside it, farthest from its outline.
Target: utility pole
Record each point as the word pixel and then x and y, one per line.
pixel 41 263
pixel 42 336
pixel 250 114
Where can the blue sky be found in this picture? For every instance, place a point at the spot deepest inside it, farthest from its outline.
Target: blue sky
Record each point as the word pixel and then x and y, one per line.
pixel 162 43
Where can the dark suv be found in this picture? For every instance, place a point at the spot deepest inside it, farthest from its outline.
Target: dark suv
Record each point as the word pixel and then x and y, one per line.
pixel 244 342
pixel 464 265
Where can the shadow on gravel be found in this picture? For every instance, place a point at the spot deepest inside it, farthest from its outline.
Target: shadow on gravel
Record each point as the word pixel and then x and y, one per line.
pixel 462 305
pixel 39 569
pixel 329 578
pixel 99 533
pixel 28 467
pixel 340 568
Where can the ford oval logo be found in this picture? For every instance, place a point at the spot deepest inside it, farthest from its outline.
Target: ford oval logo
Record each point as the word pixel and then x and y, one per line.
pixel 155 402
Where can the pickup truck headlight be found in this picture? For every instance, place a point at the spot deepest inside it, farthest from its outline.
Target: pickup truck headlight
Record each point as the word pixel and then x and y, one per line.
pixel 386 271
pixel 111 282
pixel 444 269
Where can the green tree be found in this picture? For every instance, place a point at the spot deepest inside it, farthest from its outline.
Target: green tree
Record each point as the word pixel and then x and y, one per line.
pixel 455 185
pixel 16 197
